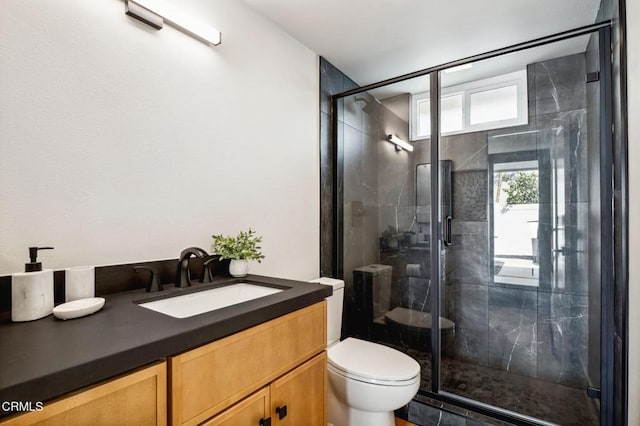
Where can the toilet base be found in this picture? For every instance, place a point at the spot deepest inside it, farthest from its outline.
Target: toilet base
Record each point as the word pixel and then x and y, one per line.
pixel 339 414
pixel 413 329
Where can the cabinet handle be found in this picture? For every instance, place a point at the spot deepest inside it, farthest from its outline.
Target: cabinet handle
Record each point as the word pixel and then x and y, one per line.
pixel 281 412
pixel 265 422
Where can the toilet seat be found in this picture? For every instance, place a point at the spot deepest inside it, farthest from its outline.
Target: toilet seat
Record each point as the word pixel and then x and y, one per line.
pixel 372 363
pixel 417 320
pixel 391 383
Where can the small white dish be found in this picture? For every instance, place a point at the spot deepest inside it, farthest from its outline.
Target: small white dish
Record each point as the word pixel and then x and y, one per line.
pixel 78 308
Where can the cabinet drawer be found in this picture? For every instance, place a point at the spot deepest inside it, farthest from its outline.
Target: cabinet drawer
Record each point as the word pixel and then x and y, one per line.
pixel 249 411
pixel 206 380
pixel 138 398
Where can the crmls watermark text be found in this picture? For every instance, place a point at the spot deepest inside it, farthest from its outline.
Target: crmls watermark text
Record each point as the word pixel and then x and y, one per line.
pixel 21 406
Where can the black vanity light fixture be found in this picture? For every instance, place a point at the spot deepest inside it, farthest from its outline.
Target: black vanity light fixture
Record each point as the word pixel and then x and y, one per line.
pixel 156 12
pixel 399 143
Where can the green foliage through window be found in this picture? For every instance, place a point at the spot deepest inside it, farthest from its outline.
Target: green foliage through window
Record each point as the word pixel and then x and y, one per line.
pixel 521 187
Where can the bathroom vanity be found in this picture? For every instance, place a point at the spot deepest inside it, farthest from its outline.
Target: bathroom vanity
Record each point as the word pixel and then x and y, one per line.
pixel 262 359
pixel 283 359
pixel 139 397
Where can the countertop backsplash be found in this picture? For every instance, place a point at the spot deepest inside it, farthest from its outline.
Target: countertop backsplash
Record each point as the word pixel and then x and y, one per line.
pixel 114 279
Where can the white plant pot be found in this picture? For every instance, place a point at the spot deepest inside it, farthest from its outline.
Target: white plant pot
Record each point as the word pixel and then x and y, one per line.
pixel 238 267
pixel 393 243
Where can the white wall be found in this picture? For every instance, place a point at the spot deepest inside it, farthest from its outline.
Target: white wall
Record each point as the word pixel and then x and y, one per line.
pixel 514 226
pixel 120 143
pixel 633 93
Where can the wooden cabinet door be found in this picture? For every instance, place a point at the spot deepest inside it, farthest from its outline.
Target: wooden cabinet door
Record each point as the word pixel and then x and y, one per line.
pixel 211 378
pixel 247 412
pixel 137 399
pixel 303 391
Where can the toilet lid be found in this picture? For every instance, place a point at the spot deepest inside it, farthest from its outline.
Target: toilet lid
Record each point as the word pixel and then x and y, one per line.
pixel 371 361
pixel 417 319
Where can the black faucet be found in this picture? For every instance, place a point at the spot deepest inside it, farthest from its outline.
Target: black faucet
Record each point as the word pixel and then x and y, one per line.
pixel 183 277
pixel 207 275
pixel 154 281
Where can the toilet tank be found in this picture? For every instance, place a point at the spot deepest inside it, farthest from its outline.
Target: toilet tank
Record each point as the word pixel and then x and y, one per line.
pixel 334 308
pixel 374 283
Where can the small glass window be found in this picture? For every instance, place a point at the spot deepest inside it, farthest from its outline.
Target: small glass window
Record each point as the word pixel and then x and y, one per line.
pixel 491 103
pixel 424 117
pixel 451 113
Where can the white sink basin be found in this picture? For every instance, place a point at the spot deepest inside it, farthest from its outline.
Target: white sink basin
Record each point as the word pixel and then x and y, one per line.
pixel 200 302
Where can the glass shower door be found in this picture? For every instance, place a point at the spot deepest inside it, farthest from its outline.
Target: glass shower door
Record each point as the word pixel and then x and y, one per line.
pixel 520 280
pixel 384 158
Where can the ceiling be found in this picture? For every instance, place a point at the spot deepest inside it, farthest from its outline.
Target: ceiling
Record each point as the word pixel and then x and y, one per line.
pixel 373 40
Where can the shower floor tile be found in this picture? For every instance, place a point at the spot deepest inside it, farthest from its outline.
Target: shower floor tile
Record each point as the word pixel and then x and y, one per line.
pixel 548 401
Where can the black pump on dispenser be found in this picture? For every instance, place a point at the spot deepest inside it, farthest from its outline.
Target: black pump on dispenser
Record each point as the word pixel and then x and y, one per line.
pixel 34 265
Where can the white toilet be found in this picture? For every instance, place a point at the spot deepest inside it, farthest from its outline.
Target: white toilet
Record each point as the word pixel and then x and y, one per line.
pixel 367 381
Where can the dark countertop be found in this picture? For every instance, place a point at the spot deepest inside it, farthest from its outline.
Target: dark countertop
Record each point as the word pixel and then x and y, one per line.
pixel 47 358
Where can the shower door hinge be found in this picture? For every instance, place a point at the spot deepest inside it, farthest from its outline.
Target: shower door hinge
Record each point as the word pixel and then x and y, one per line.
pixel 593 76
pixel 593 392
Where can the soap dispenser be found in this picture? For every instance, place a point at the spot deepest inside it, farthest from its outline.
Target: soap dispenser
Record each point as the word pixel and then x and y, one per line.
pixel 32 290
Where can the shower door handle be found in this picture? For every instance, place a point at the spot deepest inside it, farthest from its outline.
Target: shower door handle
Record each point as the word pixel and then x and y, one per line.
pixel 562 251
pixel 566 251
pixel 448 234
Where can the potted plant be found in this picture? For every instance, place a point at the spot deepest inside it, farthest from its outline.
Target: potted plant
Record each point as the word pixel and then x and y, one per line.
pixel 240 249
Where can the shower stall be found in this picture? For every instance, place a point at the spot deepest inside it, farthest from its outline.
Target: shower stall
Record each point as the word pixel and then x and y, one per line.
pixel 474 199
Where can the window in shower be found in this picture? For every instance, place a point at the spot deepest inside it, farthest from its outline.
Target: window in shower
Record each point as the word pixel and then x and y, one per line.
pixel 514 214
pixel 488 103
pixel 451 111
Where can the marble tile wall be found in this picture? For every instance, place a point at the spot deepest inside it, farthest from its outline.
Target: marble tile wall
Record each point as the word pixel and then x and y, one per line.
pixel 513 330
pixel 467 151
pixel 417 294
pixel 469 307
pixel 556 86
pixel 562 338
pixel 469 253
pixel 395 175
pixel 357 184
pixel 332 81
